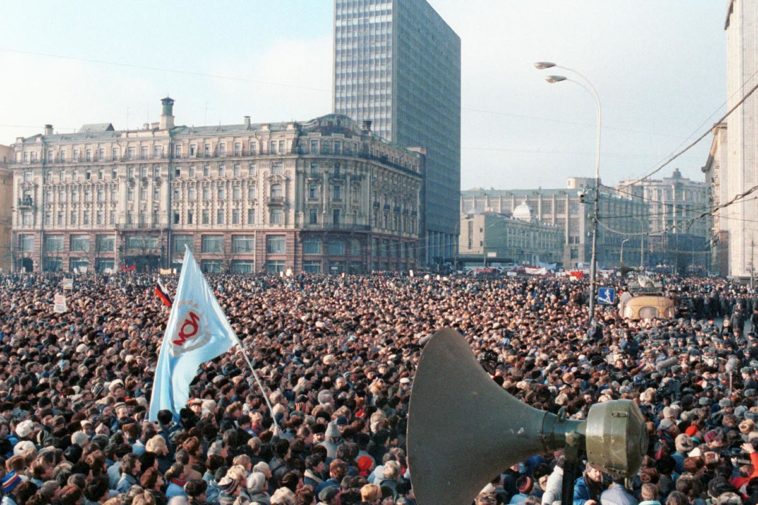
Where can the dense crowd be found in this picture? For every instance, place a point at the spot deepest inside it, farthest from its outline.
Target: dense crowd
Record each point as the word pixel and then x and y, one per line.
pixel 337 357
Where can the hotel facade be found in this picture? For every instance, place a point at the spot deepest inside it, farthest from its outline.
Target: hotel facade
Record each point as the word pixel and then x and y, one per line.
pixel 323 196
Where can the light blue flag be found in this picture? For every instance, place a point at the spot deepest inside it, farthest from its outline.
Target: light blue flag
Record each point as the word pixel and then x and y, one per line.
pixel 197 331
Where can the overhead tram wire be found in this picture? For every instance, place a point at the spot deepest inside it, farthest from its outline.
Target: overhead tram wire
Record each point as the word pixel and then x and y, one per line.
pixel 694 142
pixel 744 83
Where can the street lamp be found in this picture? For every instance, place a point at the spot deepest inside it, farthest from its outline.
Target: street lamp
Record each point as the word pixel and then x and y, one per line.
pixel 621 258
pixel 587 85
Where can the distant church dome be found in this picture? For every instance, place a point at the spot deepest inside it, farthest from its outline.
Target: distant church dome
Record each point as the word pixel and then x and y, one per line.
pixel 522 212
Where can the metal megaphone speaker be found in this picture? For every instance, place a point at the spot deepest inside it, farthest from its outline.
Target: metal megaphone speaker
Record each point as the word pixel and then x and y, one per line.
pixel 464 429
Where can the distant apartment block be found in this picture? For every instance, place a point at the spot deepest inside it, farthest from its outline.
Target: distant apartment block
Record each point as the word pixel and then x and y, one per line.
pixel 569 209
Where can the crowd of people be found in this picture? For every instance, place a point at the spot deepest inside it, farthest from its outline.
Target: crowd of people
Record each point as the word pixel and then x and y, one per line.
pixel 337 357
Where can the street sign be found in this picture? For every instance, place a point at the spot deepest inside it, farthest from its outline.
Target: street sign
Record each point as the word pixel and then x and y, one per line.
pixel 606 295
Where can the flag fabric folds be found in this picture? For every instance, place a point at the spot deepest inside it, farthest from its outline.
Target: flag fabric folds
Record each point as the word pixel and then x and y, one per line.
pixel 197 331
pixel 162 294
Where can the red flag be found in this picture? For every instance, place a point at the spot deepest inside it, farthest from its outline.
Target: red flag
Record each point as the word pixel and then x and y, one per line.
pixel 162 294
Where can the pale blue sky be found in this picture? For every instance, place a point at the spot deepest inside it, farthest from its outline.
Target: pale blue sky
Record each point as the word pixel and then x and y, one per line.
pixel 659 67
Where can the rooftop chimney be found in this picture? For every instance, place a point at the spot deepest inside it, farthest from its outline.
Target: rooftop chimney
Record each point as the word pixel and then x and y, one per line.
pixel 48 129
pixel 247 122
pixel 167 113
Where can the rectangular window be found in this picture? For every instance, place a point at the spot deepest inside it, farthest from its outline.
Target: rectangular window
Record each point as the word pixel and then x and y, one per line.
pixel 220 216
pixel 336 192
pixel 53 264
pixel 242 267
pixel 141 243
pixel 178 151
pixel 314 147
pixel 236 172
pixel 206 216
pixel 312 216
pixel 235 216
pixel 277 169
pixel 275 244
pixel 54 243
pixel 336 248
pixel 105 243
pixel 73 218
pixel 211 266
pixel 313 192
pixel 250 216
pixel 212 244
pixel 312 246
pixel 182 240
pixel 26 243
pixel 312 267
pixel 272 147
pixel 243 243
pixel 251 192
pixel 103 264
pixel 336 216
pixel 275 266
pixel 237 149
pixel 277 217
pixel 236 193
pixel 222 170
pixel 79 243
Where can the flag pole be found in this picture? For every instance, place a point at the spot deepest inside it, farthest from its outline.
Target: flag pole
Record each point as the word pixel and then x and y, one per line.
pixel 258 381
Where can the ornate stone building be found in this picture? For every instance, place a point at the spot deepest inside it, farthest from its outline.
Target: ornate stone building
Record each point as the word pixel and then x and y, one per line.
pixel 488 238
pixel 321 196
pixel 570 210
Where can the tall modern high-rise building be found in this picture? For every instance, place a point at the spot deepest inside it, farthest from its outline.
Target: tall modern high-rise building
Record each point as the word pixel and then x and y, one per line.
pixel 397 64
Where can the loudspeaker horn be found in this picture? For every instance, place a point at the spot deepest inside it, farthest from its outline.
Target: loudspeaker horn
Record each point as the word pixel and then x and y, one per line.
pixel 464 429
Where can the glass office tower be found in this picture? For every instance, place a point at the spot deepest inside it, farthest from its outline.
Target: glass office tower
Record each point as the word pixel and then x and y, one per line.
pixel 398 64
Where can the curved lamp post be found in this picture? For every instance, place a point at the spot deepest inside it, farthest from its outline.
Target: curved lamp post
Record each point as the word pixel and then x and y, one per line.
pixel 587 86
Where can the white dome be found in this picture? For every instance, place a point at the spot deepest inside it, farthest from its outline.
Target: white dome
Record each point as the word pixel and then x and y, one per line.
pixel 523 212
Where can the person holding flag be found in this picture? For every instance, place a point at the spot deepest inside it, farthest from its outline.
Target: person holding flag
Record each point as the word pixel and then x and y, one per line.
pixel 197 331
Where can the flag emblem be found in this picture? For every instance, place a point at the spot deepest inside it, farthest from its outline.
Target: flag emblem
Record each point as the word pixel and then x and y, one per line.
pixel 191 332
